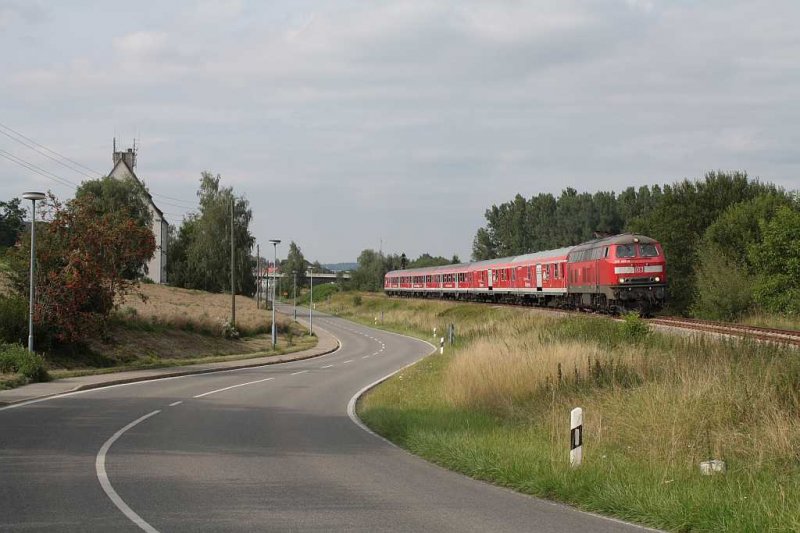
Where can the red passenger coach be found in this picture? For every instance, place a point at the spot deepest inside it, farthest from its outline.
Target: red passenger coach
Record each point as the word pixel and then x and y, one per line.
pixel 615 274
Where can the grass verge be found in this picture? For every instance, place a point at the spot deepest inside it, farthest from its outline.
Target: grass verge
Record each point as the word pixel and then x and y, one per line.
pixel 496 407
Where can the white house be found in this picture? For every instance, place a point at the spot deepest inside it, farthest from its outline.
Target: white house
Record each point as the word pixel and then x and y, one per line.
pixel 124 163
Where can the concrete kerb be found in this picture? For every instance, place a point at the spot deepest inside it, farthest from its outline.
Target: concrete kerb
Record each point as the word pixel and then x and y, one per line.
pixel 327 344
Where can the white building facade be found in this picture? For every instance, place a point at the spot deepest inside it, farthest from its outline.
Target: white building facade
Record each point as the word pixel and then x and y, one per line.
pixel 124 163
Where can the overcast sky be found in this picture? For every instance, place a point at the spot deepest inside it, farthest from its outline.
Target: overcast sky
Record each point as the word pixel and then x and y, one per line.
pixel 350 123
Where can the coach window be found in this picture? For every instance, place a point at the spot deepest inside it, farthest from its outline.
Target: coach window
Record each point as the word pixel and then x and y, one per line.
pixel 626 250
pixel 648 250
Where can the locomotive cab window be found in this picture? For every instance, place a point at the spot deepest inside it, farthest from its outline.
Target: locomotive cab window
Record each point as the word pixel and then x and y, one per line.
pixel 626 250
pixel 648 250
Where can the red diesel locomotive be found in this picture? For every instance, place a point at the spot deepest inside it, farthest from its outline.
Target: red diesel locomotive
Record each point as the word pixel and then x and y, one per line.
pixel 613 274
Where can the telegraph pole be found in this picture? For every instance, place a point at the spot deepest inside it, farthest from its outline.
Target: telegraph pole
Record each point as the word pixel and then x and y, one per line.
pixel 233 268
pixel 258 277
pixel 294 294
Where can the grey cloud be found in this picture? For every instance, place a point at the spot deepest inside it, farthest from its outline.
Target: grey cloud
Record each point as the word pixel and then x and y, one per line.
pixel 346 122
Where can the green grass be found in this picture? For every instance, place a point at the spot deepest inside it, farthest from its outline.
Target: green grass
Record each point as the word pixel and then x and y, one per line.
pixel 19 367
pixel 655 405
pixel 322 293
pixel 149 362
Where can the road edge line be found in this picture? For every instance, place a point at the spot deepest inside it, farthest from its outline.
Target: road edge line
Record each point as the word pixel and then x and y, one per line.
pixel 351 413
pixel 176 375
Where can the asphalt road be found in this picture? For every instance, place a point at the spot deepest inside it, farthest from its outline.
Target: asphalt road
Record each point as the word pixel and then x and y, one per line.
pixel 265 449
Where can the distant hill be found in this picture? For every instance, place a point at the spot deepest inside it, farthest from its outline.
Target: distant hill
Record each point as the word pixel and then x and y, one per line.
pixel 339 267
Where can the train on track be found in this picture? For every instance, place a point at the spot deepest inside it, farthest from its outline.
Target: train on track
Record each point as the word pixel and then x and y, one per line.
pixel 615 274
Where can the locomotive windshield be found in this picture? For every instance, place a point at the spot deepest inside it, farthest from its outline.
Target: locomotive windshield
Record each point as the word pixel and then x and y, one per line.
pixel 626 250
pixel 648 250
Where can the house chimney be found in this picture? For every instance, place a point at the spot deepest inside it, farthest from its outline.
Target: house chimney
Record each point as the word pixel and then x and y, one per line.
pixel 129 156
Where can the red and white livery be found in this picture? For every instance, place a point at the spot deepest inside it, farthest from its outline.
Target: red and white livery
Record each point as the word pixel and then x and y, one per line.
pixel 621 273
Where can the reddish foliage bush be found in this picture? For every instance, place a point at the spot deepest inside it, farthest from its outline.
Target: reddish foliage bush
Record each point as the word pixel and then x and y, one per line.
pixel 82 261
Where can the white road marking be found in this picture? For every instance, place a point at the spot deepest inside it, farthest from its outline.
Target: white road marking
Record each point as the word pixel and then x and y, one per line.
pixel 300 372
pixel 102 476
pixel 157 380
pixel 348 361
pixel 326 366
pixel 173 404
pixel 232 387
pixel 367 356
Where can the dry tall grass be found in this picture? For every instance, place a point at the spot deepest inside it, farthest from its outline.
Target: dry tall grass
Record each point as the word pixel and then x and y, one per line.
pixel 675 407
pixel 672 401
pixel 200 311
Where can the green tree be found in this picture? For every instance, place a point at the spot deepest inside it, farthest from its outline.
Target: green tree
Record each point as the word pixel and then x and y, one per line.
pixel 12 221
pixel 124 198
pixel 427 260
pixel 739 227
pixel 725 289
pixel 777 261
pixel 202 246
pixel 370 272
pixel 684 212
pixel 725 274
pixel 113 195
pixel 295 262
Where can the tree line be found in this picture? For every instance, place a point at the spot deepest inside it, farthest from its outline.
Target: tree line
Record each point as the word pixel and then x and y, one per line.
pixel 730 241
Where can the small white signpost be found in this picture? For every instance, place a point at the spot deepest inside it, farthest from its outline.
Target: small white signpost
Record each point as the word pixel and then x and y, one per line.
pixel 441 345
pixel 576 437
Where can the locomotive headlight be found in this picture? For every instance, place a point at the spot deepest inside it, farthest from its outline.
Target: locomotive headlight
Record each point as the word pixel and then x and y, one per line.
pixel 622 280
pixel 658 279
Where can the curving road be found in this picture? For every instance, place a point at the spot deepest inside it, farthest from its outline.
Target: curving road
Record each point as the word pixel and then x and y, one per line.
pixel 264 449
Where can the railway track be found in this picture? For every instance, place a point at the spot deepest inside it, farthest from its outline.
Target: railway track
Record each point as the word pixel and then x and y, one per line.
pixel 736 330
pixel 780 336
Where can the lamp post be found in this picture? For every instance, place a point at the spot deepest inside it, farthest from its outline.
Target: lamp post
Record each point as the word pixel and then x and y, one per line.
pixel 275 243
pixel 32 196
pixel 311 300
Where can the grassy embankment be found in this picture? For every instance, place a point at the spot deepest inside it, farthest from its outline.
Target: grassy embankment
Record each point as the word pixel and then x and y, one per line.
pixel 764 320
pixel 174 327
pixel 496 407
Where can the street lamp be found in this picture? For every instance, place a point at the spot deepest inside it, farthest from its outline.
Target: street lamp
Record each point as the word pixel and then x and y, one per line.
pixel 32 196
pixel 275 243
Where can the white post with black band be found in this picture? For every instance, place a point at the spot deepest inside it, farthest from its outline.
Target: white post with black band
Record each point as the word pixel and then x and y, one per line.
pixel 576 437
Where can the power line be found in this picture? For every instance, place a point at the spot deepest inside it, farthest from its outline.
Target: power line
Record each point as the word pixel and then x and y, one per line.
pixel 40 148
pixel 38 170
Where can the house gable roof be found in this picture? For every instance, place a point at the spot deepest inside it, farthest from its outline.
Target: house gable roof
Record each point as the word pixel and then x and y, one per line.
pixel 121 170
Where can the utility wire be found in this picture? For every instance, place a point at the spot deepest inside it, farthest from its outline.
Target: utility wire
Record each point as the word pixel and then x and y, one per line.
pixel 38 170
pixel 41 149
pixel 72 164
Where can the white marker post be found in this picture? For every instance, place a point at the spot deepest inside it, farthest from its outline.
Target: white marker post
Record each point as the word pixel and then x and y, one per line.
pixel 441 345
pixel 576 437
pixel 434 333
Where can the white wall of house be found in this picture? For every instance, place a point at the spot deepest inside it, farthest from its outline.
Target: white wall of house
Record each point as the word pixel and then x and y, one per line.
pixel 157 265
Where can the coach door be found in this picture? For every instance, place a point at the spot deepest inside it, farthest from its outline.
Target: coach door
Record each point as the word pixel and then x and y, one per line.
pixel 538 277
pixel 490 278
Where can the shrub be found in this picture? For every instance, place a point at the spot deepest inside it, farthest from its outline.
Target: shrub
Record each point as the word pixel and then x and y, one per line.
pixel 357 300
pixel 16 359
pixel 633 328
pixel 229 331
pixel 13 319
pixel 725 290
